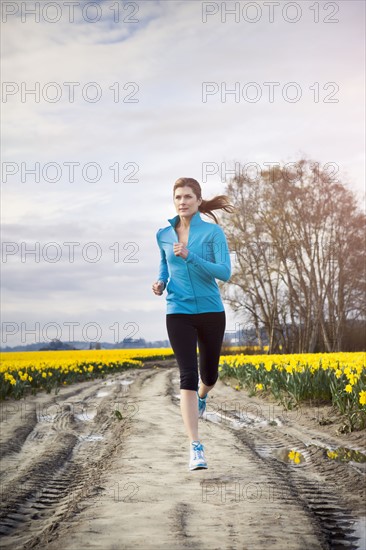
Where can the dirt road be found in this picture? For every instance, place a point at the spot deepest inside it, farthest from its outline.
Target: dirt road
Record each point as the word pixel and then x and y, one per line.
pixel 78 475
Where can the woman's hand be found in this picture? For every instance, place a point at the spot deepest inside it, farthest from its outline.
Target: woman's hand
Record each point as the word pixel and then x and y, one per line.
pixel 158 288
pixel 180 249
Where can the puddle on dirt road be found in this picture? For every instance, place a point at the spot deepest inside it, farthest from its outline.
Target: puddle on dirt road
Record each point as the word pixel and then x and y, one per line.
pixel 343 530
pixel 86 416
pixel 344 454
pixel 219 418
pixel 238 420
pixel 353 457
pixel 45 417
pixel 102 393
pixel 360 532
pixel 249 419
pixel 284 454
pixel 91 437
pixel 124 382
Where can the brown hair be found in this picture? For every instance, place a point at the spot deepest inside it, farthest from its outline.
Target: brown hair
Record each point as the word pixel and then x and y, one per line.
pixel 220 202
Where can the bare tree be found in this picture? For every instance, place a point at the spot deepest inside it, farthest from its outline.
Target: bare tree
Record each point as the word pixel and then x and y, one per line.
pixel 299 243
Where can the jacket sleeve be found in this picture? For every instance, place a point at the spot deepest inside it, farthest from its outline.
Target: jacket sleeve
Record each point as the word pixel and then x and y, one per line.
pixel 221 268
pixel 163 267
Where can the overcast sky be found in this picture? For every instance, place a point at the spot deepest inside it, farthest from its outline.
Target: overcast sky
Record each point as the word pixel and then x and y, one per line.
pixel 151 101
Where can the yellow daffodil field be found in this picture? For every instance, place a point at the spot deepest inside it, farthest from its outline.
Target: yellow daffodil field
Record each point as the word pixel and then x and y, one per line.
pixel 337 378
pixel 21 372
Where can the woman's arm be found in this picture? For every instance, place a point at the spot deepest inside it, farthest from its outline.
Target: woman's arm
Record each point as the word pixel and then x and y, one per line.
pixel 163 267
pixel 221 268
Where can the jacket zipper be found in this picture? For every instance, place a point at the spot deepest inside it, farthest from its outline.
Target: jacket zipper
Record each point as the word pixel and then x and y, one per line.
pixel 189 275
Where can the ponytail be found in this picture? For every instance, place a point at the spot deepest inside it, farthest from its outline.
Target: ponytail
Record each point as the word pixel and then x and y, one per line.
pixel 219 202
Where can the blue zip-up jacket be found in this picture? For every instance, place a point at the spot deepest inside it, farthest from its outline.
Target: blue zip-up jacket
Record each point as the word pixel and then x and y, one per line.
pixel 192 287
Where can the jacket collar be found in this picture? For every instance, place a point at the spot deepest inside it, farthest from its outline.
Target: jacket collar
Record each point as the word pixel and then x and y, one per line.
pixel 195 220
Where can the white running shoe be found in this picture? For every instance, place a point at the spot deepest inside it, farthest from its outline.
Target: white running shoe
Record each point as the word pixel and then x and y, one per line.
pixel 197 458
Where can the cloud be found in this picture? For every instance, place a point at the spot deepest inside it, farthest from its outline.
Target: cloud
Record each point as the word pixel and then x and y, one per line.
pixel 162 60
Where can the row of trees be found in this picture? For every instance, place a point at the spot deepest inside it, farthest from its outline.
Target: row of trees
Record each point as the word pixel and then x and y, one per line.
pixel 299 271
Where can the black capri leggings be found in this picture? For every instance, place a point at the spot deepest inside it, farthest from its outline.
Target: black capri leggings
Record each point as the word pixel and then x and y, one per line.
pixel 184 329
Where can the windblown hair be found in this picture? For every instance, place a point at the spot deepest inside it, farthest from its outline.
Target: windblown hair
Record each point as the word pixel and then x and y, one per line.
pixel 220 202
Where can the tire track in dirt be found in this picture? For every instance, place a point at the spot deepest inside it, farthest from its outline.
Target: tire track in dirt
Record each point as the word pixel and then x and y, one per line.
pixel 47 472
pixel 162 505
pixel 315 481
pixel 83 479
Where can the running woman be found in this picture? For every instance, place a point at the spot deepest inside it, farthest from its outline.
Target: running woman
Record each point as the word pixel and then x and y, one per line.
pixel 193 253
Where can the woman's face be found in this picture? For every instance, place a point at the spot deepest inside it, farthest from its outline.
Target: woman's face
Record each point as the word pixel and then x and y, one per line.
pixel 186 202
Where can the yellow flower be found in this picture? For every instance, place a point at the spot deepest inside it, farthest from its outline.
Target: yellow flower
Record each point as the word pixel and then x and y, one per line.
pixel 295 456
pixel 332 454
pixel 362 399
pixel 352 378
pixel 348 388
pixel 10 378
pixel 259 386
pixel 338 373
